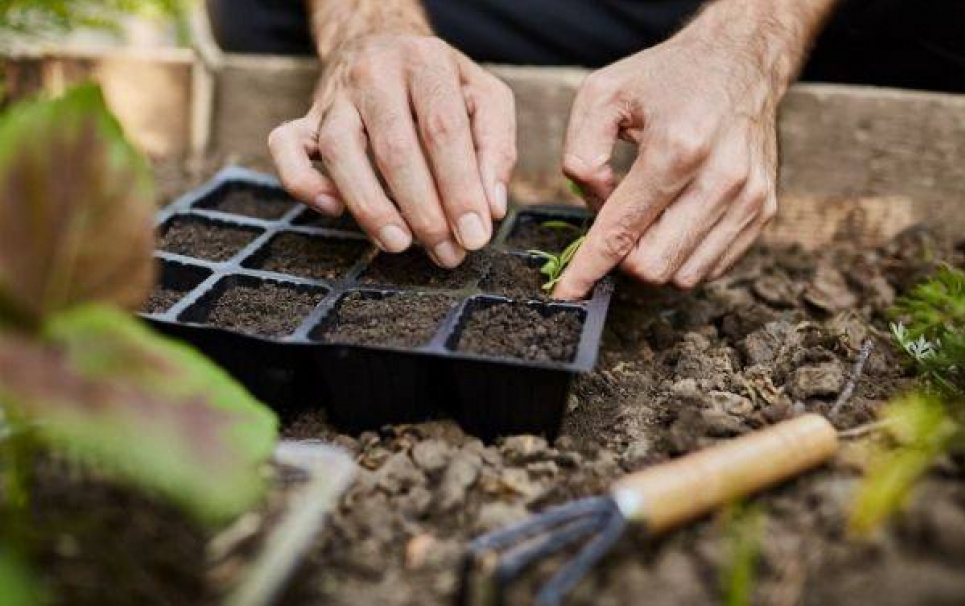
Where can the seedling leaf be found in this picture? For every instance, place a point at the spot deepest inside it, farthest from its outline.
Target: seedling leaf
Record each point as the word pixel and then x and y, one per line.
pixel 76 210
pixel 922 429
pixel 106 390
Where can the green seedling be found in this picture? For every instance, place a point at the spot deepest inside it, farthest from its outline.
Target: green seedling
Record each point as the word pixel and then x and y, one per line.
pixel 924 424
pixel 556 264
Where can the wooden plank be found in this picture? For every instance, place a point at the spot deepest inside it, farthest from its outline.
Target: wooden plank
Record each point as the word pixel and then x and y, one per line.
pixel 872 159
pixel 150 91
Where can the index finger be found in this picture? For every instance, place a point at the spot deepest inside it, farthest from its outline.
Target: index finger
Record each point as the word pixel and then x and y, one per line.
pixel 654 181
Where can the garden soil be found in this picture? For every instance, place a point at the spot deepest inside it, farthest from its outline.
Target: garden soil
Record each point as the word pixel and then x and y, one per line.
pixel 312 257
pixel 518 331
pixel 211 241
pixel 266 309
pixel 402 320
pixel 678 372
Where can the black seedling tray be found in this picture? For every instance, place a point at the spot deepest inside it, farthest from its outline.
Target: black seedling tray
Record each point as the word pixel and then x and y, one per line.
pixel 365 386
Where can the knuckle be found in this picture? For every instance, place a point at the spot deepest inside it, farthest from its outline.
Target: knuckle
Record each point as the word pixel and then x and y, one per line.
pixel 276 135
pixel 686 147
pixel 440 126
pixel 393 151
pixel 600 85
pixel 618 244
pixel 655 269
pixel 329 141
pixel 428 46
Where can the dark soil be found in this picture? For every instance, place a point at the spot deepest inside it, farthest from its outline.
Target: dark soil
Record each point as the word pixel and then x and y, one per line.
pixel 402 320
pixel 97 543
pixel 310 218
pixel 310 256
pixel 678 371
pixel 514 277
pixel 267 309
pixel 531 234
pixel 203 240
pixel 415 268
pixel 162 299
pixel 251 203
pixel 519 331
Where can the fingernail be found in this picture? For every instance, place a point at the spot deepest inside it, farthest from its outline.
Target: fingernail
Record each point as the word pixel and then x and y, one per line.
pixel 393 239
pixel 447 254
pixel 472 231
pixel 327 204
pixel 500 203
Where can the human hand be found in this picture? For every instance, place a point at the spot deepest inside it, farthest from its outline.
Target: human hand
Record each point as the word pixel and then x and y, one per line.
pixel 701 108
pixel 441 130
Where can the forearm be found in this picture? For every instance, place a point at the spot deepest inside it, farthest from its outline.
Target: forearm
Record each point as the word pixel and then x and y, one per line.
pixel 336 22
pixel 776 35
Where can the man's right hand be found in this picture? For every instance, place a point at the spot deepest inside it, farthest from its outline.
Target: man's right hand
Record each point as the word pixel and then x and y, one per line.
pixel 442 133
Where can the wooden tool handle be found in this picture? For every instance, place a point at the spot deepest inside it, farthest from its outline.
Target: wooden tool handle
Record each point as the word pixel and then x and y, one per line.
pixel 669 494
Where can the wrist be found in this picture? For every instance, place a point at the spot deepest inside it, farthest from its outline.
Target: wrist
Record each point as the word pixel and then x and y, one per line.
pixel 773 37
pixel 337 25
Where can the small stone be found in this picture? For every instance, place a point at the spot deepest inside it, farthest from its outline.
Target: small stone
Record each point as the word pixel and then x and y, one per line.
pixel 730 403
pixel 762 346
pixel 776 290
pixel 817 381
pixel 543 468
pixel 829 291
pixel 637 451
pixel 460 475
pixel 431 455
pixel 524 448
pixel 519 482
pixel 398 473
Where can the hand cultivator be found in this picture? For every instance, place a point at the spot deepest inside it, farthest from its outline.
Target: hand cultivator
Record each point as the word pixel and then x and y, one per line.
pixel 660 498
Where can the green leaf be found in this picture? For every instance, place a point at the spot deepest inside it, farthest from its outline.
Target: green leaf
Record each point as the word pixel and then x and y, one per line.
pixel 76 210
pixel 745 527
pixel 575 188
pixel 560 225
pixel 18 585
pixel 107 390
pixel 922 429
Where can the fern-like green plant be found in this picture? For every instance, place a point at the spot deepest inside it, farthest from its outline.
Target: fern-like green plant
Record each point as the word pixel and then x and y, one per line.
pixel 924 424
pixel 930 328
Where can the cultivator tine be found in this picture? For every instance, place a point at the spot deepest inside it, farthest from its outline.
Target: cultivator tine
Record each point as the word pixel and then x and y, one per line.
pixel 517 533
pixel 495 559
pixel 552 593
pixel 516 560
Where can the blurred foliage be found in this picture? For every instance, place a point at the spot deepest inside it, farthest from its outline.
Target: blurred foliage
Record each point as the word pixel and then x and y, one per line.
pixel 76 209
pixel 18 586
pixel 923 425
pixel 744 529
pixel 919 430
pixel 105 390
pixel 79 375
pixel 26 19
